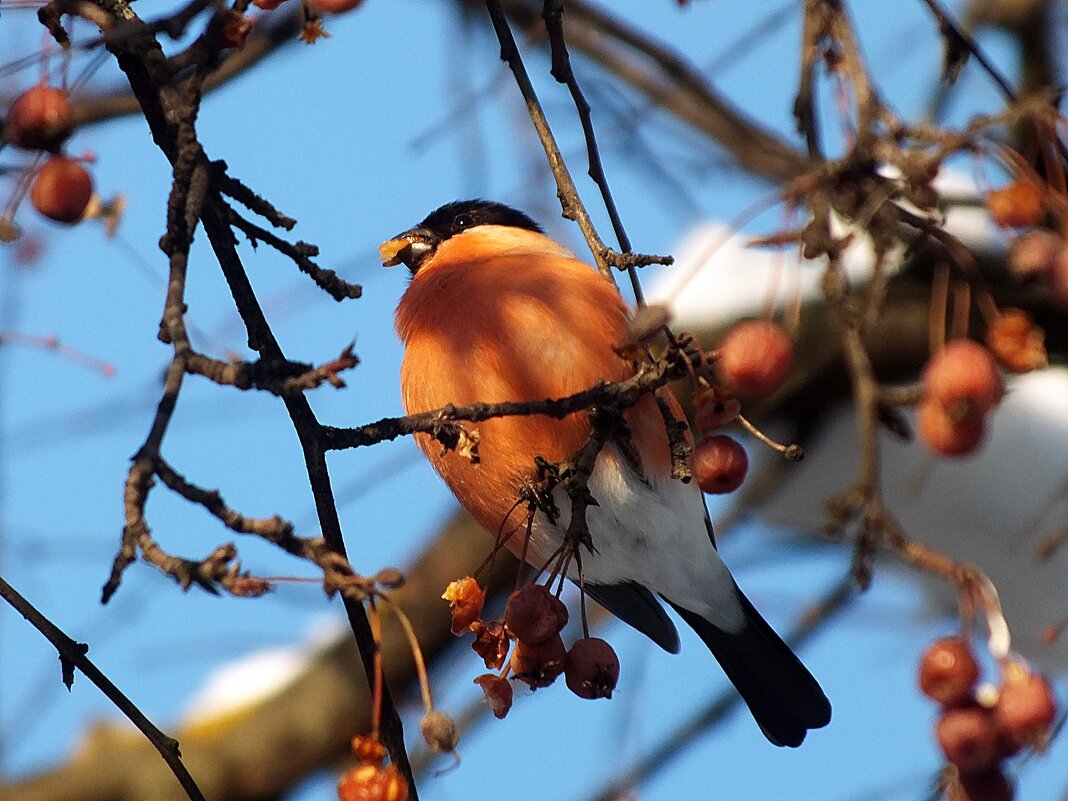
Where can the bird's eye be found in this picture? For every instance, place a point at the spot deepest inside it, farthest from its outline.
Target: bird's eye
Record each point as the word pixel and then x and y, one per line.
pixel 463 221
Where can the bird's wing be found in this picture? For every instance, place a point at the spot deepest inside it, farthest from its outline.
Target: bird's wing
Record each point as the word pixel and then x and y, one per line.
pixel 635 605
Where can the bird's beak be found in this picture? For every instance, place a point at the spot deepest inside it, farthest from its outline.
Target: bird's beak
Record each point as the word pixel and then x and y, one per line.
pixel 410 248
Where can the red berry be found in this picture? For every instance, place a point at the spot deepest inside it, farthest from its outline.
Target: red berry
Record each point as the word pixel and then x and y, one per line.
pixel 1026 707
pixel 969 738
pixel 1021 204
pixel 963 378
pixel 540 663
pixel 755 358
pixel 946 436
pixel 498 693
pixel 948 671
pixel 592 669
pixel 40 118
pixel 267 5
pixel 62 189
pixel 717 413
pixel 989 785
pixel 719 464
pixel 533 615
pixel 333 6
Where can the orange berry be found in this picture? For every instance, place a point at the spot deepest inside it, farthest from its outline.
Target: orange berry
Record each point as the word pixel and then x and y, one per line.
pixel 534 615
pixel 41 118
pixel 62 189
pixel 466 599
pixel 1032 253
pixel 1016 342
pixel 755 358
pixel 539 664
pixel 1021 204
pixel 946 436
pixel 719 464
pixel 368 749
pixel 369 782
pixel 964 379
pixel 1026 707
pixel 592 669
pixel 948 671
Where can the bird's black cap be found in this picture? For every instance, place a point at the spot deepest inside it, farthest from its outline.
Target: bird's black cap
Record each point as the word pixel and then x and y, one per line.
pixel 458 216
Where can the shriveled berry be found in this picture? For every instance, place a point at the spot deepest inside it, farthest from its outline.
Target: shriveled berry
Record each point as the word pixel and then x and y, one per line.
pixel 491 643
pixel 534 615
pixel 946 436
pixel 498 693
pixel 1016 342
pixel 466 599
pixel 755 358
pixel 368 749
pixel 968 737
pixel 62 190
pixel 963 378
pixel 948 671
pixel 592 669
pixel 989 785
pixel 1026 706
pixel 717 413
pixel 719 464
pixel 1021 204
pixel 369 782
pixel 439 731
pixel 539 664
pixel 41 118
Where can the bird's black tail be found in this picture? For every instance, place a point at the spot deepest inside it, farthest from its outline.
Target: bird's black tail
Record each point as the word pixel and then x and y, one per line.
pixel 782 695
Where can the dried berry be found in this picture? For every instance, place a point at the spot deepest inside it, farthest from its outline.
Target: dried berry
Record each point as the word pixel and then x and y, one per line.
pixel 539 664
pixel 719 464
pixel 498 693
pixel 592 669
pixel 62 190
pixel 1021 204
pixel 1016 342
pixel 466 599
pixel 755 358
pixel 369 782
pixel 491 643
pixel 41 118
pixel 969 738
pixel 1026 706
pixel 534 615
pixel 439 731
pixel 948 671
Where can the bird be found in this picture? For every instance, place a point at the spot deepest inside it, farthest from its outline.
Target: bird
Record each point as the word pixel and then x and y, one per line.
pixel 498 311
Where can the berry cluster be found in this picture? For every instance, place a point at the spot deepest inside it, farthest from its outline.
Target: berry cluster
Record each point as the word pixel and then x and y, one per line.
pixel 751 363
pixel 1038 255
pixel 533 620
pixel 41 119
pixel 978 730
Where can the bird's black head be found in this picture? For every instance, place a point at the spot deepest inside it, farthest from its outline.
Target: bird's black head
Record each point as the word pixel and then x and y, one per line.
pixel 456 217
pixel 416 245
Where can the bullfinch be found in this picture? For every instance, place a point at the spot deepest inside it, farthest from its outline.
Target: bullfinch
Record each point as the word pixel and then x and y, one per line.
pixel 497 311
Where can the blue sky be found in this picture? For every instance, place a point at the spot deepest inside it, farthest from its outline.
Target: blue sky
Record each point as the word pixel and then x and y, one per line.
pixel 353 138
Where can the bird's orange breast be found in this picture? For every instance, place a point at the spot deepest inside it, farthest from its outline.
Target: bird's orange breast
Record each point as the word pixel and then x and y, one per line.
pixel 529 323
